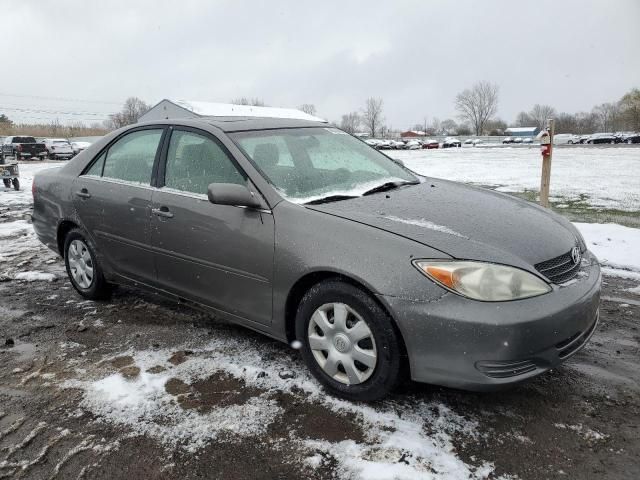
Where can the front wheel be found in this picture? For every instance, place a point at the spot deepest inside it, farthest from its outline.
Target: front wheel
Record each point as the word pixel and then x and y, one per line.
pixel 83 268
pixel 348 341
pixel 7 182
pixel 16 184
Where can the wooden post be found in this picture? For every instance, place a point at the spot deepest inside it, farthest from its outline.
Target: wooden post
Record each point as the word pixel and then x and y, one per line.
pixel 546 167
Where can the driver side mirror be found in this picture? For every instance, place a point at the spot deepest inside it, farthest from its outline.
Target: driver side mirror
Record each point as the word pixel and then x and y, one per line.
pixel 232 194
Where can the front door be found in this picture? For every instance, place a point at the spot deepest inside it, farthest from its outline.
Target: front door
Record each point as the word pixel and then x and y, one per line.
pixel 218 255
pixel 113 200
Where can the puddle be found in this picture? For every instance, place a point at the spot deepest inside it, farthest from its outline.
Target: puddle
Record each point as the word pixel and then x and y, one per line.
pixel 24 351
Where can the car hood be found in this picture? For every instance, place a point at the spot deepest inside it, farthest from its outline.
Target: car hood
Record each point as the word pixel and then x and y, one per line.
pixel 464 222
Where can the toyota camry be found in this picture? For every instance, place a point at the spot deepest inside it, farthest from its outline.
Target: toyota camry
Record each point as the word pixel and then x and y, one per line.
pixel 307 234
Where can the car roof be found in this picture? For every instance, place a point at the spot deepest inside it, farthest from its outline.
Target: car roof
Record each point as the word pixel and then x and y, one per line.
pixel 239 124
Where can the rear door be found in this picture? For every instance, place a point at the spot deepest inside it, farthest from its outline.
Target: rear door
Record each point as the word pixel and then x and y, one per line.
pixel 217 255
pixel 113 200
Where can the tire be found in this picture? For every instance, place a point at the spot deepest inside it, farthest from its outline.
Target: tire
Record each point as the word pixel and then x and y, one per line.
pixel 7 182
pixel 16 184
pixel 76 247
pixel 380 347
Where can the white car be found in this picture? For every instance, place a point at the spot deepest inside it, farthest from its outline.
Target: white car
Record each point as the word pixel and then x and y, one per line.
pixel 566 138
pixel 79 146
pixel 413 145
pixel 58 148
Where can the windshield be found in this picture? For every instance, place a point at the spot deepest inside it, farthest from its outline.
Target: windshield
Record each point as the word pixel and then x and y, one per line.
pixel 307 164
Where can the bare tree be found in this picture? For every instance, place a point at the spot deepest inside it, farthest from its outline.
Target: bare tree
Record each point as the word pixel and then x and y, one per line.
pixel 523 119
pixel 350 122
pixel 449 126
pixel 478 104
pixel 372 115
pixel 540 113
pixel 308 108
pixel 255 102
pixel 630 110
pixel 608 114
pixel 132 109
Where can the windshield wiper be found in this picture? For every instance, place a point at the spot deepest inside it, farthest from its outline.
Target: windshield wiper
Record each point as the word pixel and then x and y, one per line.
pixel 388 186
pixel 330 198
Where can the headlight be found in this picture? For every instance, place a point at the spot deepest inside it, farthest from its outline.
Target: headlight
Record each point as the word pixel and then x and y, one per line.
pixel 483 281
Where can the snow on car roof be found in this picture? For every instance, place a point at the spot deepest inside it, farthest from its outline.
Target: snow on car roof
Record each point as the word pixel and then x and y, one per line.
pixel 211 109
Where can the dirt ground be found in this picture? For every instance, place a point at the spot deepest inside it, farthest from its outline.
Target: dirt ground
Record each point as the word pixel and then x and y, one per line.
pixel 236 405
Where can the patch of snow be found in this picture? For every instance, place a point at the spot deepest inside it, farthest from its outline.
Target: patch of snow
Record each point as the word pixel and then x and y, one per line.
pixel 35 276
pixel 616 246
pixel 585 432
pixel 426 224
pixel 419 434
pixel 635 290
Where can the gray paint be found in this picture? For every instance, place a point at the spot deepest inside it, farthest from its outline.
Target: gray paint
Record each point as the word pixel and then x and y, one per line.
pixel 242 264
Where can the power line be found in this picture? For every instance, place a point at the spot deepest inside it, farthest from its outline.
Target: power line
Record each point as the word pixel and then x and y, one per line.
pixel 53 112
pixel 66 99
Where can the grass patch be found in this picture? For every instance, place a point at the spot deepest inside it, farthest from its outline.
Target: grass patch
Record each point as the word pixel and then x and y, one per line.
pixel 579 209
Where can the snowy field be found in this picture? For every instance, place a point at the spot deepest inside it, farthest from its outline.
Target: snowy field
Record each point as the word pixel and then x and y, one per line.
pixel 603 177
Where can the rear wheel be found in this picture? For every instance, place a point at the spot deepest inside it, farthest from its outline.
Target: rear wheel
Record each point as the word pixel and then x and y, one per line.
pixel 7 182
pixel 16 184
pixel 348 341
pixel 83 268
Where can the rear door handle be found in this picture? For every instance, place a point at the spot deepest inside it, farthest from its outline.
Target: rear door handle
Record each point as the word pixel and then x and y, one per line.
pixel 83 193
pixel 162 212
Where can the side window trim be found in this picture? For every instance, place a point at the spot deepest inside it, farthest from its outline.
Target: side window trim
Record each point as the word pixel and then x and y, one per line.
pixel 162 170
pixel 105 151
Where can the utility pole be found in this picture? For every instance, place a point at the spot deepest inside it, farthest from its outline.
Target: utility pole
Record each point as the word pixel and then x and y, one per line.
pixel 547 154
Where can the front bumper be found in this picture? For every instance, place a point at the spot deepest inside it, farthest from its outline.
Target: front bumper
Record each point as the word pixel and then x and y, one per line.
pixel 462 343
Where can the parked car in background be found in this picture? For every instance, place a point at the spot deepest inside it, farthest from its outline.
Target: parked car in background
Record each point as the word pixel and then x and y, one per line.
pixel 583 139
pixel 517 140
pixel 631 138
pixel 600 138
pixel 79 146
pixel 490 291
pixel 372 142
pixel 528 140
pixel 21 147
pixel 384 145
pixel 430 144
pixel 468 141
pixel 477 141
pixel 507 140
pixel 398 145
pixel 413 145
pixel 565 138
pixel 451 142
pixel 58 148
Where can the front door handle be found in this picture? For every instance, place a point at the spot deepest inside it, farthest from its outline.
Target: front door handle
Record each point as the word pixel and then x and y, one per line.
pixel 162 212
pixel 83 193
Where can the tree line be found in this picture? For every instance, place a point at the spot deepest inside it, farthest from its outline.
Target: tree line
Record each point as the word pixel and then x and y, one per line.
pixel 477 106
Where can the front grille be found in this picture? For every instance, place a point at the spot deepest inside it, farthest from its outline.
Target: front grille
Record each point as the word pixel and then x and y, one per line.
pixel 560 269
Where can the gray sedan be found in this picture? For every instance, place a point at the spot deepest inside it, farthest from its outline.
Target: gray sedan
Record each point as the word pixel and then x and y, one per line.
pixel 307 234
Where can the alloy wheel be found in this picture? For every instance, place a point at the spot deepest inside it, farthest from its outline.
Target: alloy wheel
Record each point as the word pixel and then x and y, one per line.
pixel 342 343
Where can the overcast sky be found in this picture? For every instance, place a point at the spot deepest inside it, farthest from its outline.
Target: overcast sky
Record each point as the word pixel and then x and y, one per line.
pixel 416 55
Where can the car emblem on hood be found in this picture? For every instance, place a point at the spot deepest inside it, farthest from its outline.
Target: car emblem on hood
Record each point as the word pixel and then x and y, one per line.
pixel 576 255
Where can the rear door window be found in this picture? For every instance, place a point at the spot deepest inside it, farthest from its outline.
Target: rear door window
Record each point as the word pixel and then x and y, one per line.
pixel 131 158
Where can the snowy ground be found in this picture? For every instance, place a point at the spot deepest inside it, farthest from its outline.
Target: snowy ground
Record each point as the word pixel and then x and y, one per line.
pixel 141 388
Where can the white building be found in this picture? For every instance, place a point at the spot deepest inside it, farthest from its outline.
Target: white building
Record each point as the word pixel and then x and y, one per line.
pixel 166 109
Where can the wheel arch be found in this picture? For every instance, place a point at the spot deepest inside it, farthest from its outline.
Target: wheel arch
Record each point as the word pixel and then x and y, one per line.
pixel 307 281
pixel 64 227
